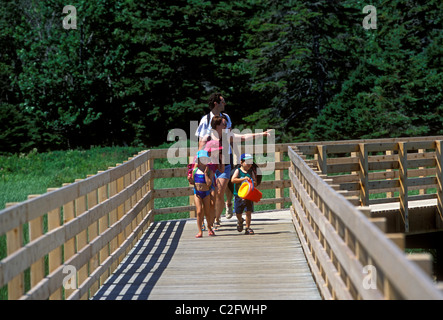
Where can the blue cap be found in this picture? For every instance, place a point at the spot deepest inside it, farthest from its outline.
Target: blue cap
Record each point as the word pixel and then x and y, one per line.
pixel 202 154
pixel 246 156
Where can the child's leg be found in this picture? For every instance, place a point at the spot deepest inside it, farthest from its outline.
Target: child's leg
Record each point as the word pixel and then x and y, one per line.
pixel 238 208
pixel 200 213
pixel 248 219
pixel 212 208
pixel 207 210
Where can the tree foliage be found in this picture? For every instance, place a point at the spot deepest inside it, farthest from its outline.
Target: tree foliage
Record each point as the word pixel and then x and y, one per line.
pixel 133 70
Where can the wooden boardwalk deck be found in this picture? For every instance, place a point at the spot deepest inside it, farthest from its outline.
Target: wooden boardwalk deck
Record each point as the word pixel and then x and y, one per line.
pixel 169 263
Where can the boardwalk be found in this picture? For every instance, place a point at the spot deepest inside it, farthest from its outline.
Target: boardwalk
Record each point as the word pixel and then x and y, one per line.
pixel 169 263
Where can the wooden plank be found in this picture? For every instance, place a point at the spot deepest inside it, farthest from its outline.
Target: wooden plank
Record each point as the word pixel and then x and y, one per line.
pixel 439 176
pixel 278 177
pixel 363 174
pixel 14 241
pixel 82 237
pixel 342 148
pixel 423 260
pixel 398 239
pixel 322 158
pixel 112 220
pixel 55 257
pixel 69 243
pixel 103 224
pixel 403 179
pixel 277 268
pixel 35 232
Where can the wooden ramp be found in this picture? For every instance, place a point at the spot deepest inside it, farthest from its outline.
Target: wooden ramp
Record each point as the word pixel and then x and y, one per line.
pixel 170 263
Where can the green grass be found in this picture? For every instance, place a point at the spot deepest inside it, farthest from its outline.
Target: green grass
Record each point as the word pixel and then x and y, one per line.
pixel 33 173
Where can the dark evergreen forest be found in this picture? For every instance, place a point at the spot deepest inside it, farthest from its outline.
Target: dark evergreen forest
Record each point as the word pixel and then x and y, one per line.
pixel 134 69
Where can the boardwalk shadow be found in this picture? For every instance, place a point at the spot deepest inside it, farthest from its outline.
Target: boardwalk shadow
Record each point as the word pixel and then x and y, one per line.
pixel 139 272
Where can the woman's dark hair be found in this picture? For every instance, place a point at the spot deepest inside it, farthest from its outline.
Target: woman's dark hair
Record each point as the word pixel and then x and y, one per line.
pixel 216 121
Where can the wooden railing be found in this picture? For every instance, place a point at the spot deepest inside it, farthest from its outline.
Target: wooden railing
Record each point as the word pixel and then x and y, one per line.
pixel 384 167
pixel 349 256
pixel 78 234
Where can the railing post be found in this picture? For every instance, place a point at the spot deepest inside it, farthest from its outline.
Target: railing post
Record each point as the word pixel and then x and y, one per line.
pixel 14 241
pixel 389 194
pixel 322 158
pixel 102 226
pixel 363 174
pixel 120 213
pixel 112 220
pixel 193 213
pixel 439 167
pixel 82 237
pixel 69 246
pixel 151 187
pixel 278 177
pixel 403 178
pixel 92 201
pixel 36 231
pixel 55 256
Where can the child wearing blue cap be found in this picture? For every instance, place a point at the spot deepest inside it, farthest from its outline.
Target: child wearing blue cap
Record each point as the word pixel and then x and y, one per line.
pixel 240 175
pixel 203 183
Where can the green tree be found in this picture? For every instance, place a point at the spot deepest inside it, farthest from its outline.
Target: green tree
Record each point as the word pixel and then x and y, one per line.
pixel 298 57
pixel 396 88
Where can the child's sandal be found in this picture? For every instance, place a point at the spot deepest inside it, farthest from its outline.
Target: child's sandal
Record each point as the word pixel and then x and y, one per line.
pixel 249 231
pixel 240 225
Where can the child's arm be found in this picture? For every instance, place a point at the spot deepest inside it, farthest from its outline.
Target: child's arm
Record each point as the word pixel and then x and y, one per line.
pixel 191 176
pixel 234 178
pixel 208 176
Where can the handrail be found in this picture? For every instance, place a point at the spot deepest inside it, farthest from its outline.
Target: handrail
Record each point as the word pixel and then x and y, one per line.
pixel 341 243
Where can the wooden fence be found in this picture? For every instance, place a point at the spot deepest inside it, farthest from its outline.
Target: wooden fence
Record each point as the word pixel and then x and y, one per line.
pixel 78 234
pixel 349 256
pixel 388 168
